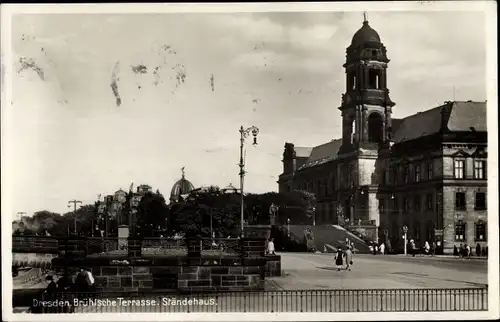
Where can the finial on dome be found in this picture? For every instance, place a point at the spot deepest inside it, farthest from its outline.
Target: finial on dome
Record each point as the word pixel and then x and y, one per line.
pixel 183 173
pixel 365 19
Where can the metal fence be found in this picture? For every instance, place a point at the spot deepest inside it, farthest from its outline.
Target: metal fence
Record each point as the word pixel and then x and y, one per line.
pixel 119 245
pixel 380 300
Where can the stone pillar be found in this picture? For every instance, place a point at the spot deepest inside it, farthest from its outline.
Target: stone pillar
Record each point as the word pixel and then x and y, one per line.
pixel 193 247
pixel 134 246
pixel 383 80
pixel 364 124
pixel 123 234
pixel 366 78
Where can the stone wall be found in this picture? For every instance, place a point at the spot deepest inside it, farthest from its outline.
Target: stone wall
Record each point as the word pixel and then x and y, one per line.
pixel 469 216
pixel 221 278
pixel 122 278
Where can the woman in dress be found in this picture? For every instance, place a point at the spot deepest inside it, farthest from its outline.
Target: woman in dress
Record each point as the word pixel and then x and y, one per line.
pixel 339 258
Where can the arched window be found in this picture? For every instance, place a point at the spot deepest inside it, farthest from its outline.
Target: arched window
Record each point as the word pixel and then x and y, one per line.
pixel 375 128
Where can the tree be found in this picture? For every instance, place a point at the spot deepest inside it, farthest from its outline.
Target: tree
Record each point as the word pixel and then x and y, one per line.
pixel 200 209
pixel 296 206
pixel 152 213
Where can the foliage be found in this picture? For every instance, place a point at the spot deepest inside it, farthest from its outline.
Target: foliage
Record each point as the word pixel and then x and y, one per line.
pixel 152 214
pixel 44 221
pixel 192 216
pixel 296 206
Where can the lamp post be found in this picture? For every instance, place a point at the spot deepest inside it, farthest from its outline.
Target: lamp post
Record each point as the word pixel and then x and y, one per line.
pixel 74 202
pixel 405 231
pixel 20 214
pixel 244 133
pixel 314 215
pixel 288 226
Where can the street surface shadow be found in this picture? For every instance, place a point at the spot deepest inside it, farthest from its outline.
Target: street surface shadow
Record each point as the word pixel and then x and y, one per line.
pixel 329 268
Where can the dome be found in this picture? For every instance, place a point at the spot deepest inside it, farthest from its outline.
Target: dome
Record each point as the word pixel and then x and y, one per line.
pixel 181 187
pixel 364 35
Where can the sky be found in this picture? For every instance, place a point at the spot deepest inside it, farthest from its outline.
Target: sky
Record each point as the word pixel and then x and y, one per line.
pixel 281 72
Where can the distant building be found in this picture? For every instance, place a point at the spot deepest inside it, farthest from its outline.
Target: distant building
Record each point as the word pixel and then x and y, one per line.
pixel 181 188
pixel 426 171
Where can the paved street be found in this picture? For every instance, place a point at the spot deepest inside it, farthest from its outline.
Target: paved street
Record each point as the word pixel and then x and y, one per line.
pixel 317 271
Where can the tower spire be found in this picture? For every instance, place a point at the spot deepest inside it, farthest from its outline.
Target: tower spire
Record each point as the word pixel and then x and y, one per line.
pixel 183 173
pixel 365 19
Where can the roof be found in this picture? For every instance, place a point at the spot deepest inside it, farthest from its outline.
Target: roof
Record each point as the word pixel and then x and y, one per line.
pixel 364 35
pixel 181 187
pixel 323 153
pixel 458 116
pixel 418 125
pixel 302 152
pixel 467 115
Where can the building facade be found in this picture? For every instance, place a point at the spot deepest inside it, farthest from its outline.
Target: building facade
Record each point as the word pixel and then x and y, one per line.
pixel 426 171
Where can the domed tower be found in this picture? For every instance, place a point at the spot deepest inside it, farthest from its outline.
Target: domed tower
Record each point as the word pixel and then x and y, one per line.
pixel 181 187
pixel 366 106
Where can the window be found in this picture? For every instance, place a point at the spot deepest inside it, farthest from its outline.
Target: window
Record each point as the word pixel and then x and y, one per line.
pixel 405 204
pixel 479 169
pixel 417 172
pixel 460 201
pixel 428 202
pixel 416 203
pixel 406 172
pixel 458 169
pixel 480 203
pixel 373 79
pixel 460 231
pixel 430 170
pixel 480 231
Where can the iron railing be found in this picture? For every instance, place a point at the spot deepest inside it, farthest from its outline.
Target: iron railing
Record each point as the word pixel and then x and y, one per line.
pixel 119 245
pixel 377 300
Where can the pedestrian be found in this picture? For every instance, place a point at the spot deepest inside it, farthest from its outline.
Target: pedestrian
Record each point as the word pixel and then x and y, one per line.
pixel 461 251
pixel 412 248
pixel 427 248
pixel 455 250
pixel 348 258
pixel 468 250
pixel 64 283
pixel 339 261
pixel 433 249
pixel 51 289
pixel 375 248
pixel 83 283
pixel 270 247
pixel 478 250
pixel 382 248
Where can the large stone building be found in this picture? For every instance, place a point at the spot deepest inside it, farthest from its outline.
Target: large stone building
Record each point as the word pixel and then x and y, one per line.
pixel 426 171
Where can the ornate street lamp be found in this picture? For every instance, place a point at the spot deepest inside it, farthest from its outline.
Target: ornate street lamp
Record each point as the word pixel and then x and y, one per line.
pixel 244 133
